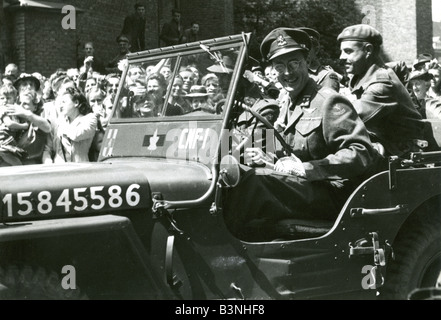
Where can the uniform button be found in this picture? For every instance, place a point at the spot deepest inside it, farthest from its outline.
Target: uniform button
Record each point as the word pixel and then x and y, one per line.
pixel 303 146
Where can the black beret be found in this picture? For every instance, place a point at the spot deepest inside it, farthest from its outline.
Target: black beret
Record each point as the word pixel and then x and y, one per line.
pixel 361 32
pixel 284 40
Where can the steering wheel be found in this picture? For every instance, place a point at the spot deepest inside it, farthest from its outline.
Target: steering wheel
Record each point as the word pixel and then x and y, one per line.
pixel 267 125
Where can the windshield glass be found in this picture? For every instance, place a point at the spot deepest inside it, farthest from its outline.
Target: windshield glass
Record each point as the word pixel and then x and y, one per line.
pixel 196 84
pixel 174 102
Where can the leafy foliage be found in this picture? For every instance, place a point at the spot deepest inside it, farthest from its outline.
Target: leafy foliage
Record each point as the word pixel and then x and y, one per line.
pixel 328 17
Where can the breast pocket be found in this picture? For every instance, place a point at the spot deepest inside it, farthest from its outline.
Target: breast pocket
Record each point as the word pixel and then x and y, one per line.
pixel 306 126
pixel 308 138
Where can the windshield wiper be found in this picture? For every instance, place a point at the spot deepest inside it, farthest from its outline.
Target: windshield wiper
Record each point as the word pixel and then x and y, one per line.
pixel 215 56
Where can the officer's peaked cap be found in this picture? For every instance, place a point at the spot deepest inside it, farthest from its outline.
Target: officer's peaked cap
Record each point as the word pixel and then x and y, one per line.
pixel 284 40
pixel 361 32
pixel 314 34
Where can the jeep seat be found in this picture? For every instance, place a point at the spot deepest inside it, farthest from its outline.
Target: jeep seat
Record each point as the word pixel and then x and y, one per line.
pixel 286 229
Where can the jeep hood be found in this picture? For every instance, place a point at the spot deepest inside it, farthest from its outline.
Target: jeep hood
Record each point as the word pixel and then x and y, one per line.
pixel 58 190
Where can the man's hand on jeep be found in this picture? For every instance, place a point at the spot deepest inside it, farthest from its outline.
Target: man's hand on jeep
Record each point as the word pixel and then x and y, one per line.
pixel 291 165
pixel 256 156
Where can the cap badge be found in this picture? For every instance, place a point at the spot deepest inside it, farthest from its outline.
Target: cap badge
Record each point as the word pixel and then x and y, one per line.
pixel 281 41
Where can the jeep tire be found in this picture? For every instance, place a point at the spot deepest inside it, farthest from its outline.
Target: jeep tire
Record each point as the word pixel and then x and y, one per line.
pixel 417 261
pixel 28 283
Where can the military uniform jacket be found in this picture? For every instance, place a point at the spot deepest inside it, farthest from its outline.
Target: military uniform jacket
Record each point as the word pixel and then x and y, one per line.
pixel 327 135
pixel 325 76
pixel 387 110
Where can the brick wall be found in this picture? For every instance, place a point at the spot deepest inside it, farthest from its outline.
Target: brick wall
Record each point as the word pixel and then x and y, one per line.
pixel 47 45
pixel 215 17
pixel 102 21
pixel 36 41
pixel 12 43
pixel 15 42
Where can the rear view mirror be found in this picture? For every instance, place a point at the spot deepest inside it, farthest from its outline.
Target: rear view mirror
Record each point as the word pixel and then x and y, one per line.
pixel 229 171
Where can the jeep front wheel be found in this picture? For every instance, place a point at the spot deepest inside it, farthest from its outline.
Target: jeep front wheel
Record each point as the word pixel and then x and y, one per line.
pixel 28 283
pixel 417 261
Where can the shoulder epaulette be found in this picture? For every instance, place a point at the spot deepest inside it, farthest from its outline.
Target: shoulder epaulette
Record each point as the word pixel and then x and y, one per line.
pixel 382 74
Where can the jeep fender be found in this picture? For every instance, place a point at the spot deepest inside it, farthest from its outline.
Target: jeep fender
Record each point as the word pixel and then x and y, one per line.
pixel 105 252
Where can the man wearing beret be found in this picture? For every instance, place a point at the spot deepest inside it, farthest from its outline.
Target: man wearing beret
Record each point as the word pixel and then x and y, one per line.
pixel 382 101
pixel 331 151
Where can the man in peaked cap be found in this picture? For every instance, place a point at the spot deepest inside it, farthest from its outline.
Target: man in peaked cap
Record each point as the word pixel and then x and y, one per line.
pixel 323 75
pixel 381 100
pixel 124 49
pixel 330 148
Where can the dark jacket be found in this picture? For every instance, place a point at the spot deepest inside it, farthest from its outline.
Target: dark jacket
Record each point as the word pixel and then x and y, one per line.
pixel 325 76
pixel 171 33
pixel 387 110
pixel 326 133
pixel 134 28
pixel 189 36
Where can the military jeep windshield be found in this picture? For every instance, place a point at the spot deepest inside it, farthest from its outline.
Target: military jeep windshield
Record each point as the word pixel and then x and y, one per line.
pixel 183 93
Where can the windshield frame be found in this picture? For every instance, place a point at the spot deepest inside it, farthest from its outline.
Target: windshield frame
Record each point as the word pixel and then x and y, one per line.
pixel 238 42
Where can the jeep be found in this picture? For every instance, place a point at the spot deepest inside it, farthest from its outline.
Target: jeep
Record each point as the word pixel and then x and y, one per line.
pixel 145 221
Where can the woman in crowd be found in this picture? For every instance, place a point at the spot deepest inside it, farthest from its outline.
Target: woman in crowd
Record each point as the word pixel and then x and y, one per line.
pixel 435 84
pixel 177 105
pixel 96 98
pixel 214 90
pixel 74 131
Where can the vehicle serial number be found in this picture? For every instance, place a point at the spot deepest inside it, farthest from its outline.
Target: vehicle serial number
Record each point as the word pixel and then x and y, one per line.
pixel 76 199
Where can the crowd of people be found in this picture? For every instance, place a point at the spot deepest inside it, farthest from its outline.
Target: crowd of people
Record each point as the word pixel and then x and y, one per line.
pixel 338 129
pixel 53 120
pixel 63 118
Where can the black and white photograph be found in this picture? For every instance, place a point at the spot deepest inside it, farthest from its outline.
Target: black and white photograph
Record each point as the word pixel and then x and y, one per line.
pixel 221 156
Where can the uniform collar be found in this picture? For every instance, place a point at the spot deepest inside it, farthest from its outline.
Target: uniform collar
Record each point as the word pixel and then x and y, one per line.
pixel 362 82
pixel 303 101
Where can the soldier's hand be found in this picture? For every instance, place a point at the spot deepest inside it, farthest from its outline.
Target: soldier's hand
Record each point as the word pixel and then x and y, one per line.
pixel 258 157
pixel 291 165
